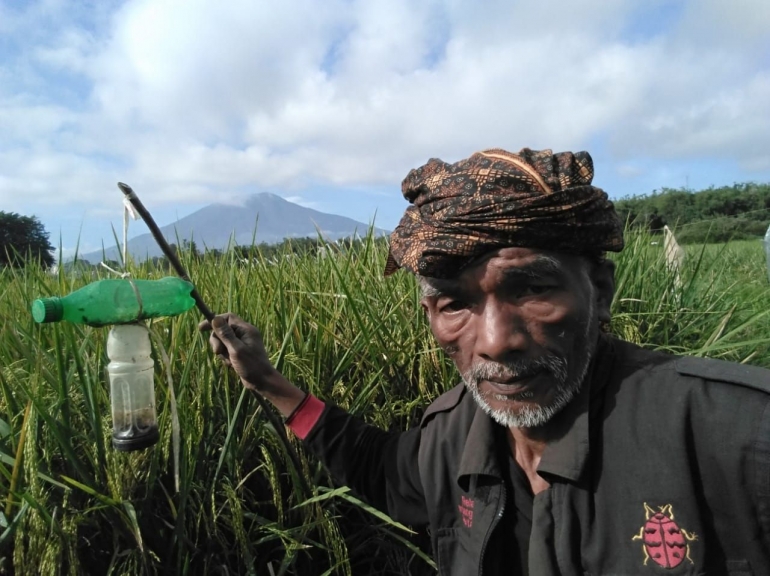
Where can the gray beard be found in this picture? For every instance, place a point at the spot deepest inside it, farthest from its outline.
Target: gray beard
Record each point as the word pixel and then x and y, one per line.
pixel 532 416
pixel 529 416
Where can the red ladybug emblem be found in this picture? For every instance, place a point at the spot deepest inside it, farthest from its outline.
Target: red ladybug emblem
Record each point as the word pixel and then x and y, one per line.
pixel 663 540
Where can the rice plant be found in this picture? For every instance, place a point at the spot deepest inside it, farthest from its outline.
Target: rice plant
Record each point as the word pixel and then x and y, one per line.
pixel 248 502
pixel 716 305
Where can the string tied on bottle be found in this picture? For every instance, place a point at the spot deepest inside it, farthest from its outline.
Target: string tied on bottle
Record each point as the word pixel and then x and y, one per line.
pixel 127 276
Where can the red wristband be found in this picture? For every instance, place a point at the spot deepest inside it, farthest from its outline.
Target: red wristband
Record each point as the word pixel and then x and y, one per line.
pixel 304 417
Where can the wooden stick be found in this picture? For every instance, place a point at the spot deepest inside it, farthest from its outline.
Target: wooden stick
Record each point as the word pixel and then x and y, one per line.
pixel 164 246
pixel 209 315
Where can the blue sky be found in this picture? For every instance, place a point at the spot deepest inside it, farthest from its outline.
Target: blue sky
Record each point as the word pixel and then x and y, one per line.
pixel 329 104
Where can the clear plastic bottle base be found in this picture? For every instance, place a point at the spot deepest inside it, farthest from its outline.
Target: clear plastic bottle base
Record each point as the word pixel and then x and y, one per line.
pixel 137 441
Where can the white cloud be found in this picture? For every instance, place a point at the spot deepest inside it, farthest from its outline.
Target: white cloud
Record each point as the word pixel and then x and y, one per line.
pixel 729 121
pixel 302 202
pixel 193 100
pixel 70 52
pixel 24 122
pixel 195 68
pixel 739 24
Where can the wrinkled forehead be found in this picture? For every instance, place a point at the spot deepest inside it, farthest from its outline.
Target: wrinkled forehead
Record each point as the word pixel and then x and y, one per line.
pixel 510 263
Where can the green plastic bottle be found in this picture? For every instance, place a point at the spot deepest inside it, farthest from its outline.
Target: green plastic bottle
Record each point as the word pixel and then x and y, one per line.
pixel 114 301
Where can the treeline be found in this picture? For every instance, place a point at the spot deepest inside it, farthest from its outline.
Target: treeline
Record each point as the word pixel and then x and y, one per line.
pixel 289 246
pixel 190 251
pixel 737 212
pixel 23 239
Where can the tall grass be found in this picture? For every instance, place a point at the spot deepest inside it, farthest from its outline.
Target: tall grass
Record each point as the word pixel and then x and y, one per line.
pixel 716 305
pixel 73 505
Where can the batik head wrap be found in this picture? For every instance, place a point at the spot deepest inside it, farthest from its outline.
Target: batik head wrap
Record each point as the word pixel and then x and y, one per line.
pixel 495 199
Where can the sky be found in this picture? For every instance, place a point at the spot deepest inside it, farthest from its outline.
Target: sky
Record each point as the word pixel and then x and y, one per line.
pixel 330 103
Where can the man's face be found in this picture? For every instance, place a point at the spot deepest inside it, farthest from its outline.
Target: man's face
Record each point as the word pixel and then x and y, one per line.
pixel 521 326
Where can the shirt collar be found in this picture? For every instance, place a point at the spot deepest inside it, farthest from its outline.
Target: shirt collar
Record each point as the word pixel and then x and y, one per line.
pixel 479 455
pixel 566 455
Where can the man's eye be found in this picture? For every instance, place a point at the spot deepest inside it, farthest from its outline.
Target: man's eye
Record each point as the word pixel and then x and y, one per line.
pixel 536 289
pixel 452 306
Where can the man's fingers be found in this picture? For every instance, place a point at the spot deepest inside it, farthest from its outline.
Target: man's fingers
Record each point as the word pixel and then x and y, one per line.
pixel 239 345
pixel 223 340
pixel 228 317
pixel 231 338
pixel 217 346
pixel 223 331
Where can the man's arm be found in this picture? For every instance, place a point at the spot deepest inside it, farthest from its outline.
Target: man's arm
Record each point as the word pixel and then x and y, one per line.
pixel 380 466
pixel 239 345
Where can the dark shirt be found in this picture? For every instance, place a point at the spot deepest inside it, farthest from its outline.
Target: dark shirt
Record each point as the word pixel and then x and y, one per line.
pixel 661 463
pixel 515 528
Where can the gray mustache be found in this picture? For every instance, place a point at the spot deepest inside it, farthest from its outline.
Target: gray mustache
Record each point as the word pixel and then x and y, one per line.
pixel 556 365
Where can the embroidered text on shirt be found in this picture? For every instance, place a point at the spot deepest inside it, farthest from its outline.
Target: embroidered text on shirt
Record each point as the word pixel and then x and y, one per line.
pixel 466 510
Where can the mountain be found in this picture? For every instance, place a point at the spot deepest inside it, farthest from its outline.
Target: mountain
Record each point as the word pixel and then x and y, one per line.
pixel 223 225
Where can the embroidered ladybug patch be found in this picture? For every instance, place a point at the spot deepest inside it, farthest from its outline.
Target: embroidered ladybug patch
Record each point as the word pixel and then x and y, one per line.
pixel 663 540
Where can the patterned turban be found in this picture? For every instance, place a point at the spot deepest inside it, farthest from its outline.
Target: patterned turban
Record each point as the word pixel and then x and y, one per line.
pixel 495 199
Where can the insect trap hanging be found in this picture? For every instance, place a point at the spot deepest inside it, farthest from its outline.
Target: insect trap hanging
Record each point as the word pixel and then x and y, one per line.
pixel 123 303
pixel 132 387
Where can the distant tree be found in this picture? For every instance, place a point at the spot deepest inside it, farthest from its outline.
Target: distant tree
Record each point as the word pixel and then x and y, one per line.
pixel 191 248
pixel 23 239
pixel 162 262
pixel 714 214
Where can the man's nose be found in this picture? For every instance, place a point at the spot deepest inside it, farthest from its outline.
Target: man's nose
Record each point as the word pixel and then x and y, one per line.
pixel 501 330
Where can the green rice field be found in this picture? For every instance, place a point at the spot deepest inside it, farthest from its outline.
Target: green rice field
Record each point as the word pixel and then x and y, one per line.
pixel 249 501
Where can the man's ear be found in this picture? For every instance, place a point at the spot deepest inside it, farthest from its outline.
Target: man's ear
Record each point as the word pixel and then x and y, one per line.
pixel 603 278
pixel 425 308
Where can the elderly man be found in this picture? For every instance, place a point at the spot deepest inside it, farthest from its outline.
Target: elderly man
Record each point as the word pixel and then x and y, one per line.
pixel 564 451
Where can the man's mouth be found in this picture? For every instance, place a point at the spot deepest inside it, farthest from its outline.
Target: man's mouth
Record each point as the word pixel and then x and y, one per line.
pixel 518 387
